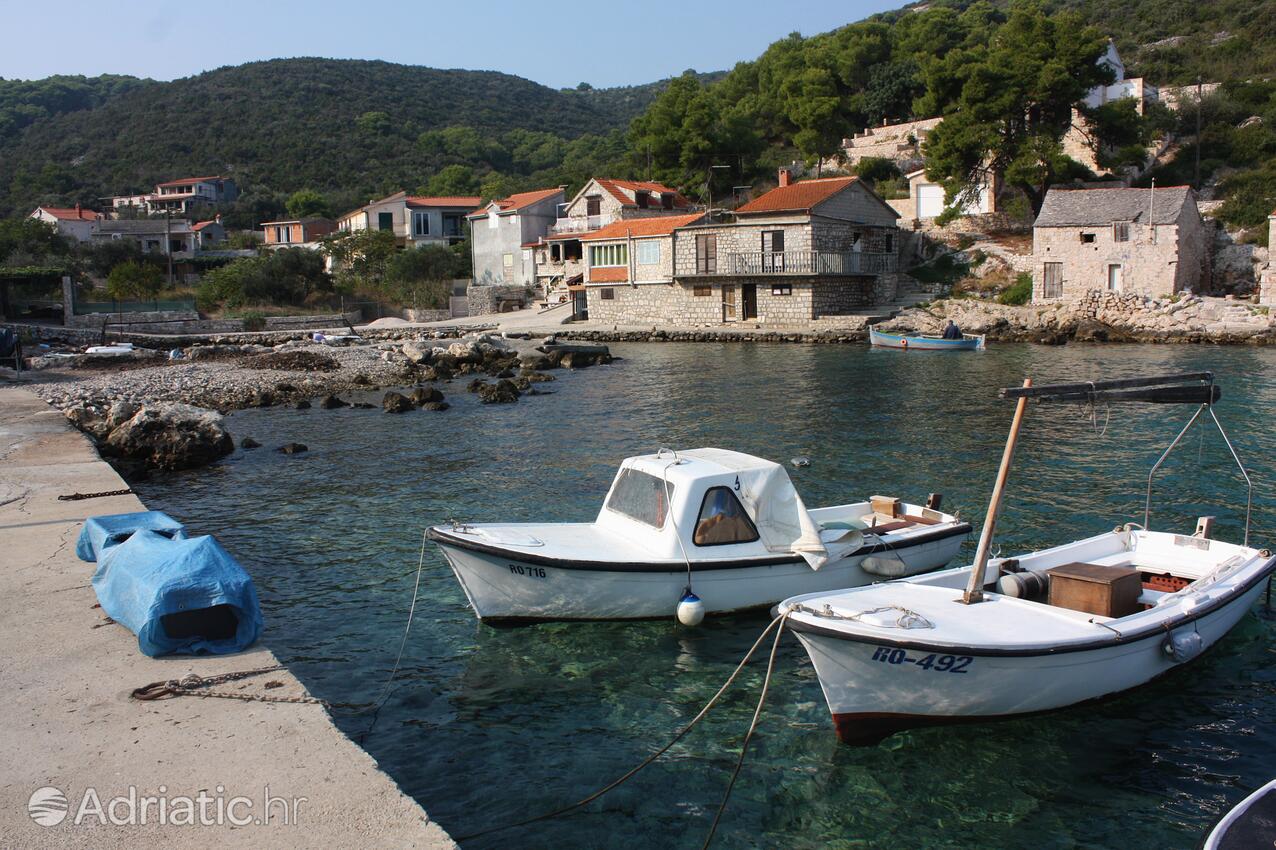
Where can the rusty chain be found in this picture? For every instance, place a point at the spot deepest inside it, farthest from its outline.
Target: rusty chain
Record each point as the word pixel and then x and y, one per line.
pixel 192 685
pixel 75 497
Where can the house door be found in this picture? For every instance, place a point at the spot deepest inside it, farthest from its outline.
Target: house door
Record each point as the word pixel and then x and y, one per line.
pixel 749 301
pixel 1052 280
pixel 728 302
pixel 1116 274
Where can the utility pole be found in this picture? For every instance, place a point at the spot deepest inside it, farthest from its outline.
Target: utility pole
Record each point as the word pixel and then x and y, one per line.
pixel 1196 171
pixel 708 184
pixel 168 243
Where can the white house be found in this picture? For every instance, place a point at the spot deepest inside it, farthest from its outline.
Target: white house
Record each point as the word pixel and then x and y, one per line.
pixel 72 222
pixel 414 220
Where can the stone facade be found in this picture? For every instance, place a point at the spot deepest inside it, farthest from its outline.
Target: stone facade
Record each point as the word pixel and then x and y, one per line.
pixel 486 300
pixel 1267 290
pixel 1152 260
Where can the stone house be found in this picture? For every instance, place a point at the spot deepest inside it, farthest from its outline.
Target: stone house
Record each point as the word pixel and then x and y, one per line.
pixel 414 220
pixel 74 223
pixel 181 196
pixel 296 233
pixel 803 252
pixel 559 257
pixel 1267 288
pixel 505 233
pixel 1151 242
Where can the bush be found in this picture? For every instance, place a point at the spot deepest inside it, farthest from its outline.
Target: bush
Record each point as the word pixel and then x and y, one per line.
pixel 876 169
pixel 254 321
pixel 287 276
pixel 134 280
pixel 1019 293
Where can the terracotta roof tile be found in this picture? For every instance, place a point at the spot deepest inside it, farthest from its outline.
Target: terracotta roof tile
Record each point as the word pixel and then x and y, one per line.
pixel 801 196
pixel 609 274
pixel 639 227
pixel 615 187
pixel 188 181
pixel 467 201
pixel 202 224
pixel 71 213
pixel 517 201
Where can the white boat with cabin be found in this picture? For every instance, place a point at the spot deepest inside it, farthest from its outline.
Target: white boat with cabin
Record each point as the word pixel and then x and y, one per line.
pixel 727 527
pixel 1037 632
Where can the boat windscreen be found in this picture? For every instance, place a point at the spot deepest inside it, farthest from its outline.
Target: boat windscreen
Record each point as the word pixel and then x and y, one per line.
pixel 641 497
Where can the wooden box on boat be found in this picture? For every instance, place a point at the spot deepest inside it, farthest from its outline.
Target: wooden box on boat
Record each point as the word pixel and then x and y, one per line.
pixel 1100 589
pixel 885 505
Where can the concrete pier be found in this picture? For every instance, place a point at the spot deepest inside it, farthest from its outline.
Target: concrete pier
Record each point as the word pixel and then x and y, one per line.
pixel 67 722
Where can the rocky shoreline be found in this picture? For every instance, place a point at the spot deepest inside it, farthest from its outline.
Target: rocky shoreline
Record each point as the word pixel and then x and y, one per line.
pixel 148 410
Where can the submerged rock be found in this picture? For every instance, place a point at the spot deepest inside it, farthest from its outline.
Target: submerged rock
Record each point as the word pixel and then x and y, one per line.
pixel 169 435
pixel 249 443
pixel 435 405
pixel 396 403
pixel 502 392
pixel 422 396
pixel 292 448
pixel 331 402
pixel 304 404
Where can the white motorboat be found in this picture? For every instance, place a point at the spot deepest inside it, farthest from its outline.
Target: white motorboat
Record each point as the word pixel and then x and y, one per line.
pixel 721 526
pixel 1042 631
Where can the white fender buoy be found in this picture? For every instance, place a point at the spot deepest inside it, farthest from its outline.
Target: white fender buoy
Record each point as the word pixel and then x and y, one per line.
pixel 1183 646
pixel 690 609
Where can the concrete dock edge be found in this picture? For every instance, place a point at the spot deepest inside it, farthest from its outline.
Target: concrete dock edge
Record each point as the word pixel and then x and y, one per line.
pixel 67 722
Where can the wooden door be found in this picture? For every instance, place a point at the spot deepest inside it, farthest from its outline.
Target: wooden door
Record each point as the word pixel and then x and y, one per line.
pixel 1052 280
pixel 728 302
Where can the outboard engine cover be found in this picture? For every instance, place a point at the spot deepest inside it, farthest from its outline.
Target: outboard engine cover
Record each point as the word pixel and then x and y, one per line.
pixel 1183 646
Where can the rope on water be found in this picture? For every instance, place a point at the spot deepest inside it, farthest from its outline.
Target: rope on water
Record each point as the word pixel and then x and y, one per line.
pixel 657 754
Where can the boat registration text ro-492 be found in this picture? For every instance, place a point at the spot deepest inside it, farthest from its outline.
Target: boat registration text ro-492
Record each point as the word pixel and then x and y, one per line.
pixel 934 661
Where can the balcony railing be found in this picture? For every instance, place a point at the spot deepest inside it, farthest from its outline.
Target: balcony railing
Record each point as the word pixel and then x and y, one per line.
pixel 580 224
pixel 800 263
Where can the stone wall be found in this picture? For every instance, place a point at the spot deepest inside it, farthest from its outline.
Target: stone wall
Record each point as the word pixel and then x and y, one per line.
pixel 411 315
pixel 1267 290
pixel 188 322
pixel 487 300
pixel 1156 261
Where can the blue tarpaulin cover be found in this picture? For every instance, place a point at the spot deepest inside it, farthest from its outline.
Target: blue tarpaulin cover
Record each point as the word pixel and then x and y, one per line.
pixel 178 594
pixel 102 532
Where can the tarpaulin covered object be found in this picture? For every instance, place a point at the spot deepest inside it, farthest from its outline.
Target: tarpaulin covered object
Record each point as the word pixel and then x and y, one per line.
pixel 178 594
pixel 102 532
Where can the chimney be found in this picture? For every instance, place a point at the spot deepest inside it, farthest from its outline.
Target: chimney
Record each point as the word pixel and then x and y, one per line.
pixel 786 177
pixel 77 209
pixel 218 218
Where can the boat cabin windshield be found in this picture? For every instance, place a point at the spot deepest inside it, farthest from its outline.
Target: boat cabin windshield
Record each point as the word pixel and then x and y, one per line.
pixel 641 497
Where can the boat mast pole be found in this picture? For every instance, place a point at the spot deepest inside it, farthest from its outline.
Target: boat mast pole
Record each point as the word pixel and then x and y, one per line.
pixel 974 589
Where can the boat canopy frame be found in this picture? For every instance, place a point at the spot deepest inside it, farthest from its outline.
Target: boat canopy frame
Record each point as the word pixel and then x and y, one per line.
pixel 1185 388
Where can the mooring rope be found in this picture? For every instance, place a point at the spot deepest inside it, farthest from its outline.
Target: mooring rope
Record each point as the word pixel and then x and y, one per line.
pixel 658 753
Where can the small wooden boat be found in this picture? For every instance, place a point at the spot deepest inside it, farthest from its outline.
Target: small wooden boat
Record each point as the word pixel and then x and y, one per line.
pixel 968 342
pixel 725 527
pixel 1251 823
pixel 1045 630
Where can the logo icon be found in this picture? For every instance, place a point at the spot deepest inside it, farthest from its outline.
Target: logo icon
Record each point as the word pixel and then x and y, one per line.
pixel 47 806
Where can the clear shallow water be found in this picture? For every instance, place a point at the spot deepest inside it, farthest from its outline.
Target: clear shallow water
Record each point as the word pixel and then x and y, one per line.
pixel 486 726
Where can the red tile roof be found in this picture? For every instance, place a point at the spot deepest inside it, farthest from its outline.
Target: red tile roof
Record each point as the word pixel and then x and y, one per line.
pixel 801 196
pixel 609 274
pixel 615 187
pixel 189 181
pixel 200 225
pixel 638 227
pixel 467 201
pixel 71 213
pixel 518 201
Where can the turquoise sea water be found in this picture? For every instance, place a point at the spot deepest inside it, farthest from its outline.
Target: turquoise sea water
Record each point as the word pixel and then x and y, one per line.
pixel 487 725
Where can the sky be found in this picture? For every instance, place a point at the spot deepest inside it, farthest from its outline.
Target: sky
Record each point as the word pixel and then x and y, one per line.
pixel 557 44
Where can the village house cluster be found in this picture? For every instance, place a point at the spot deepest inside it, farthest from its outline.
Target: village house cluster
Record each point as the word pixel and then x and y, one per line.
pixel 807 254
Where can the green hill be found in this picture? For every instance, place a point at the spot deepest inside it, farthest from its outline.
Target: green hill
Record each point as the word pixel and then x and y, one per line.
pixel 344 127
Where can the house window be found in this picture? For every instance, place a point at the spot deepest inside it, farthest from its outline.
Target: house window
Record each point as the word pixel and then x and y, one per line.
pixel 666 201
pixel 782 289
pixel 888 244
pixel 385 221
pixel 772 241
pixel 555 253
pixel 643 199
pixel 648 252
pixel 1120 231
pixel 420 224
pixel 492 221
pixel 702 291
pixel 607 294
pixel 706 253
pixel 616 254
pixel 1087 238
pixel 593 205
pixel 507 260
pixel 1052 280
pixel 723 520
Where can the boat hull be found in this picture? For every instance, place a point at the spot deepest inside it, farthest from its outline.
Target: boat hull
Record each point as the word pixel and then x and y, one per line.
pixel 924 343
pixel 876 689
pixel 502 586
